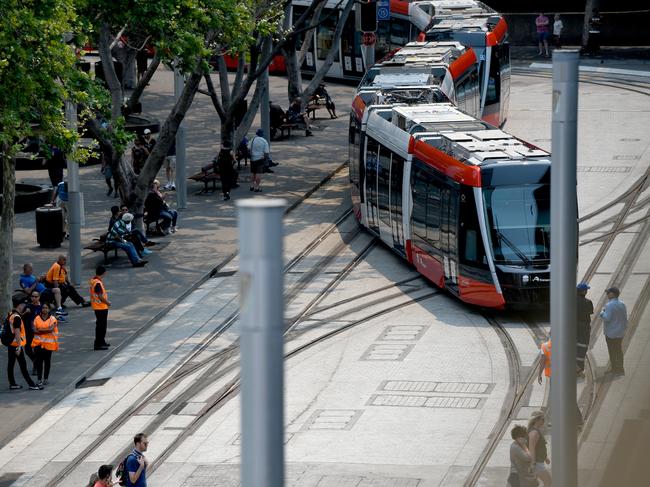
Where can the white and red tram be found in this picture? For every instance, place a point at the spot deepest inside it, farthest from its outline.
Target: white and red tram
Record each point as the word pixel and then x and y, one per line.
pixel 465 203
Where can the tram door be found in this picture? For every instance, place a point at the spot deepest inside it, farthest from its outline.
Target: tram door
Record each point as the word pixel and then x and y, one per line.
pixel 309 64
pixel 370 180
pixel 396 205
pixel 352 62
pixel 448 237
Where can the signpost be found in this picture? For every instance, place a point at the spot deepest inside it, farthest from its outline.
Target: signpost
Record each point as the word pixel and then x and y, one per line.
pixel 383 10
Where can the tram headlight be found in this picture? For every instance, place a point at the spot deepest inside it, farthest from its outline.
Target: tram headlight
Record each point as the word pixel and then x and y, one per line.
pixel 525 279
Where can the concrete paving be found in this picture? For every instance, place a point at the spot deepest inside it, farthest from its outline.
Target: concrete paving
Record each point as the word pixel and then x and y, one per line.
pixel 384 439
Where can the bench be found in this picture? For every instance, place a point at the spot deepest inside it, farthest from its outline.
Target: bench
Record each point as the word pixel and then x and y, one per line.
pixel 206 176
pixel 312 107
pixel 102 245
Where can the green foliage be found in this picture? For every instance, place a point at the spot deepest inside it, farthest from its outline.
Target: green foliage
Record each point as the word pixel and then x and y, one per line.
pixel 36 69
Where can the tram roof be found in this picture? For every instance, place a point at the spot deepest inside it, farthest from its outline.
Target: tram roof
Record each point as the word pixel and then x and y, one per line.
pixel 426 53
pixel 481 23
pixel 447 129
pixel 439 8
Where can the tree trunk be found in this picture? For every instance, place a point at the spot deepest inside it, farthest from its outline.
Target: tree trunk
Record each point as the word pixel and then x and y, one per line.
pixel 294 76
pixel 110 75
pixel 7 230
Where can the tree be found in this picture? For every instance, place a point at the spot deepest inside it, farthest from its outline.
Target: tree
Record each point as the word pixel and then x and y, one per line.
pixel 184 34
pixel 37 76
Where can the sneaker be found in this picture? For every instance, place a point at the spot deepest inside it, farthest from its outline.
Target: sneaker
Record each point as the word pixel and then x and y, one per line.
pixel 41 384
pixel 258 190
pixel 173 229
pixel 167 186
pixel 35 387
pixel 60 311
pixel 85 304
pixel 173 187
pixel 150 243
pixel 268 169
pixel 308 133
pixel 252 188
pixel 226 197
pixel 140 263
pixel 45 382
pixel 109 192
pixel 101 347
pixel 146 252
pixel 15 387
pixel 60 318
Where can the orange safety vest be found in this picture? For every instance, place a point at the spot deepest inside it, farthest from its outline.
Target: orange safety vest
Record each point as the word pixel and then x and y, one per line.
pixel 46 339
pixel 546 350
pixel 95 300
pixel 57 273
pixel 23 339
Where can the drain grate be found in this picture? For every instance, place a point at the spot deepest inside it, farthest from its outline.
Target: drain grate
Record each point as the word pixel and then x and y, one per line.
pixel 332 419
pixel 390 352
pixel 357 481
pixel 402 333
pixel 442 402
pixel 83 383
pixel 626 157
pixel 236 441
pixel 620 169
pixel 424 386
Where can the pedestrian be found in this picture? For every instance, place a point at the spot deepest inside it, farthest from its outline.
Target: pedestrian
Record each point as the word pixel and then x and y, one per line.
pixel 170 167
pixel 103 477
pixel 57 277
pixel 30 283
pixel 136 462
pixel 32 310
pixel 107 171
pixel 139 155
pixel 541 24
pixel 584 309
pixel 260 152
pixel 46 341
pixel 225 168
pixel 537 448
pixel 55 166
pixel 521 462
pixel 557 31
pixel 15 350
pixel 117 237
pixel 321 92
pixel 148 140
pixel 60 199
pixel 100 303
pixel 614 317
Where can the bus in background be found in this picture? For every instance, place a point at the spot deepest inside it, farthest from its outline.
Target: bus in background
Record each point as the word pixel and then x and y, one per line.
pixel 349 62
pixel 474 25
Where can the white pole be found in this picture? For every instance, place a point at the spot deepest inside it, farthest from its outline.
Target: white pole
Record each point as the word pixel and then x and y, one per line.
pixel 564 216
pixel 181 161
pixel 74 202
pixel 264 108
pixel 262 325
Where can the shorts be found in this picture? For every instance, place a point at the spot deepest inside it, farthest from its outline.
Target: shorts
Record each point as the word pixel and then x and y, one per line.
pixel 257 167
pixel 542 36
pixel 540 467
pixel 170 162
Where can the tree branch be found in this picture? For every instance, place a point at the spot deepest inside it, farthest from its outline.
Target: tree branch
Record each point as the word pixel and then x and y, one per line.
pixel 144 81
pixel 213 96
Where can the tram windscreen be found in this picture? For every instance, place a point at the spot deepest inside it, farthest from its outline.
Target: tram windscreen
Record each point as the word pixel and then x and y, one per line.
pixel 519 218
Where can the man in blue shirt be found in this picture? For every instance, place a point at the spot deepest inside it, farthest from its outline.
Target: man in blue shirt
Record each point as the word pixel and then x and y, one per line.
pixel 136 463
pixel 614 317
pixel 30 283
pixel 60 197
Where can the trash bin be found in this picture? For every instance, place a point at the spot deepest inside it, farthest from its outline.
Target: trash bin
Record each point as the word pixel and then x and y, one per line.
pixel 49 226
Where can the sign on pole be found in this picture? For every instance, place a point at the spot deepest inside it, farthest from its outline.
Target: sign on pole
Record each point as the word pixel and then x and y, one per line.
pixel 383 10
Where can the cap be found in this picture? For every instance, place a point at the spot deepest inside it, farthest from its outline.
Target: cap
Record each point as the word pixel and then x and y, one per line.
pixel 147 131
pixel 613 290
pixel 583 286
pixel 127 217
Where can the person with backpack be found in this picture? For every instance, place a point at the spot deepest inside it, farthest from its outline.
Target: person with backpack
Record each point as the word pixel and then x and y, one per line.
pixel 45 341
pixel 132 472
pixel 14 338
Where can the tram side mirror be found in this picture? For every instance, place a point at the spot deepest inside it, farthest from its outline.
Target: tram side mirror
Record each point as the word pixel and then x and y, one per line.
pixel 368 14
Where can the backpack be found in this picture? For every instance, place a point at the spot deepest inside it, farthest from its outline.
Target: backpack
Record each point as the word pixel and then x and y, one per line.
pixel 7 332
pixel 121 472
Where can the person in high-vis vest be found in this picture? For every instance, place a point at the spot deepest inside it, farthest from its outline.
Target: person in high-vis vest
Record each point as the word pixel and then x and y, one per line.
pixel 100 303
pixel 45 341
pixel 16 350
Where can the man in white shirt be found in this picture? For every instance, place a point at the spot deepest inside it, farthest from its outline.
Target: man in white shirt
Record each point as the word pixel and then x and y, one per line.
pixel 557 31
pixel 259 150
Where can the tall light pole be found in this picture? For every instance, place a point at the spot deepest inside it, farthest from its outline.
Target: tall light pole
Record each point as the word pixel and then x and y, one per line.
pixel 181 161
pixel 564 240
pixel 264 100
pixel 74 202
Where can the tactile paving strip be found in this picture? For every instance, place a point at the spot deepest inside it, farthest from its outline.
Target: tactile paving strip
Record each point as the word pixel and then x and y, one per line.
pixel 387 352
pixel 444 402
pixel 618 169
pixel 356 481
pixel 402 333
pixel 425 386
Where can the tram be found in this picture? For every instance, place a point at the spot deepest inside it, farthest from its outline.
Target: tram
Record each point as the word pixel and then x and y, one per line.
pixel 350 64
pixel 474 25
pixel 465 203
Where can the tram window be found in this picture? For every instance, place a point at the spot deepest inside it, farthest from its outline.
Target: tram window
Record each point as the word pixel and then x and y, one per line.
pixel 325 33
pixel 383 182
pixel 494 80
pixel 433 213
pixel 419 187
pixel 472 251
pixel 354 152
pixel 399 32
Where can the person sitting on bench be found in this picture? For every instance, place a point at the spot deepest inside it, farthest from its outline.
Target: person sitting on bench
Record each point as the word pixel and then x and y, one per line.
pixel 295 114
pixel 135 235
pixel 117 237
pixel 277 118
pixel 158 209
pixel 321 92
pixel 30 283
pixel 57 277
